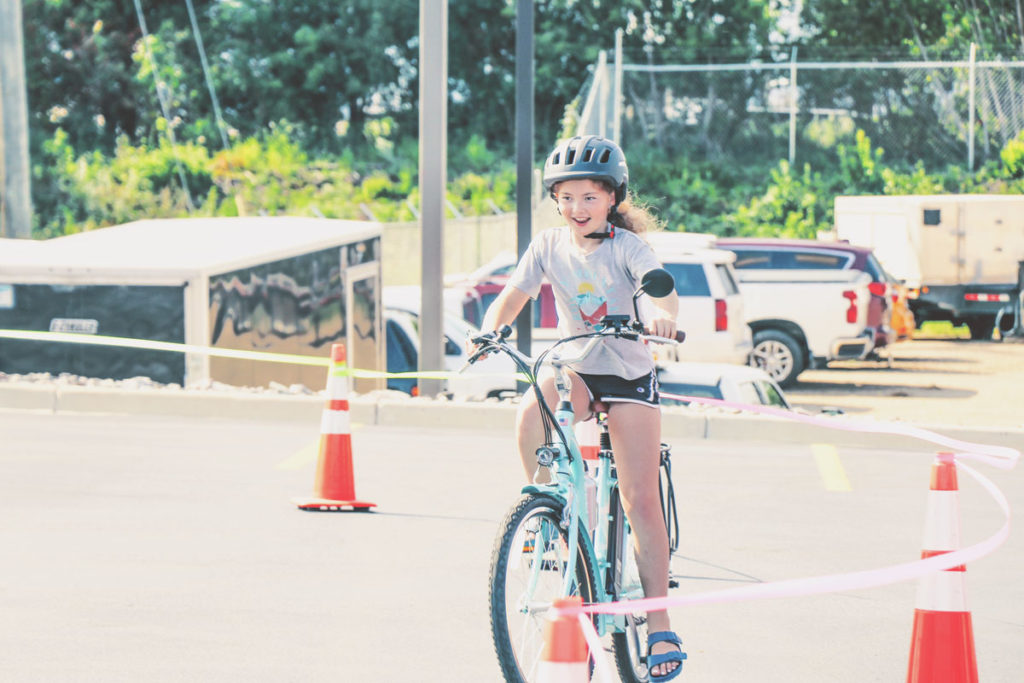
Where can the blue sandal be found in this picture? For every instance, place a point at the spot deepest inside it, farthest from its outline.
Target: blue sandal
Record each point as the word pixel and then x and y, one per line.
pixel 667 657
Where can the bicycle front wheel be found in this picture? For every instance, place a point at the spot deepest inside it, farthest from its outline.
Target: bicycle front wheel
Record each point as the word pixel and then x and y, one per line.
pixel 528 567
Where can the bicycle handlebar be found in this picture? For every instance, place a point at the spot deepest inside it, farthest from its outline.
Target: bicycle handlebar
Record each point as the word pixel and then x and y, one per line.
pixel 619 328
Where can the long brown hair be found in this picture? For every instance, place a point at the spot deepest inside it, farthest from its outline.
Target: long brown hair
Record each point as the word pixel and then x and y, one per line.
pixel 636 218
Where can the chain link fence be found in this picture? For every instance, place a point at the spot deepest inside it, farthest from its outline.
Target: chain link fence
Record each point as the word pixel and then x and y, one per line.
pixel 940 113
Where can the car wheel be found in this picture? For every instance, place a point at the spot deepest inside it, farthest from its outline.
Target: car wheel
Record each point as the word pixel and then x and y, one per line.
pixel 778 354
pixel 981 328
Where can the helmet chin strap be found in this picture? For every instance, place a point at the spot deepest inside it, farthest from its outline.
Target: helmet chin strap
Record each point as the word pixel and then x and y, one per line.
pixel 608 233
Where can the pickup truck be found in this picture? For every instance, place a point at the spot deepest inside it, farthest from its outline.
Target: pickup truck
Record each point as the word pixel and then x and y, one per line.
pixel 806 318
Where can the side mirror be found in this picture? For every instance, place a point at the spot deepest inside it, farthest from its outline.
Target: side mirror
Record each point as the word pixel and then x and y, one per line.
pixel 657 283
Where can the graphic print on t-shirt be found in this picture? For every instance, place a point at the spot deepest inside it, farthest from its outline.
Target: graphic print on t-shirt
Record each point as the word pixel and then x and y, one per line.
pixel 590 306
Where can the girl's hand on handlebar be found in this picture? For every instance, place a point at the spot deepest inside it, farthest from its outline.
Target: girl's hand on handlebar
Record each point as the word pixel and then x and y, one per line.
pixel 662 327
pixel 479 347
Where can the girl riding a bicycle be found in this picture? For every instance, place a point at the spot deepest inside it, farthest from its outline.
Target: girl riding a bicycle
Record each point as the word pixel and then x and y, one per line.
pixel 594 263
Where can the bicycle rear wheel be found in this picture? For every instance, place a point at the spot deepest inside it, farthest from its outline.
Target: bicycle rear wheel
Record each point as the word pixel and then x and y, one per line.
pixel 528 564
pixel 629 644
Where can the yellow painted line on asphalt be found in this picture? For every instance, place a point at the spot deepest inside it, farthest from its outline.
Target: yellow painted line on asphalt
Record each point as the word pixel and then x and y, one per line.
pixel 305 456
pixel 301 458
pixel 830 467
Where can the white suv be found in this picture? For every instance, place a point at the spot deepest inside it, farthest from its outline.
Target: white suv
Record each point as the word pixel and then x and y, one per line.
pixel 710 304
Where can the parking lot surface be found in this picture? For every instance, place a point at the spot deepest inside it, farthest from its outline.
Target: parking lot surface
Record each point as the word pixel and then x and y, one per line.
pixel 933 381
pixel 168 549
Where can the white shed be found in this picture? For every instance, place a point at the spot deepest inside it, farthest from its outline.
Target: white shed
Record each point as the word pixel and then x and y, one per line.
pixel 277 284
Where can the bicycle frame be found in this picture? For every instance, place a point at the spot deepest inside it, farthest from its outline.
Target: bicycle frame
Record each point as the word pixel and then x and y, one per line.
pixel 569 487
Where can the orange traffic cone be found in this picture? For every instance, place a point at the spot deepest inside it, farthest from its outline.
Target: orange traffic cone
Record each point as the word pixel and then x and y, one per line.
pixel 335 488
pixel 588 436
pixel 564 658
pixel 942 644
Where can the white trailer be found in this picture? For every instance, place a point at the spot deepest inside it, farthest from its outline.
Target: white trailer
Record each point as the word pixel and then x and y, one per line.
pixel 960 255
pixel 279 284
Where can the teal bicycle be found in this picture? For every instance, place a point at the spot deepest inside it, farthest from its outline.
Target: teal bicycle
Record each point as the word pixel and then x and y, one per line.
pixel 570 537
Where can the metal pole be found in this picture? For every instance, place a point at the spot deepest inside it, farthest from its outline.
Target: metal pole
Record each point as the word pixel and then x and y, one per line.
pixel 794 97
pixel 1018 323
pixel 524 155
pixel 433 175
pixel 970 115
pixel 604 90
pixel 15 193
pixel 617 90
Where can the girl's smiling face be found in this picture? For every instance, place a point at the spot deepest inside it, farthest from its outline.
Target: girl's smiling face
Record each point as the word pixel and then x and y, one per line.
pixel 584 204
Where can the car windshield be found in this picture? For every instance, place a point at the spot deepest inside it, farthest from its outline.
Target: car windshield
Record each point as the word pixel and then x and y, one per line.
pixel 688 389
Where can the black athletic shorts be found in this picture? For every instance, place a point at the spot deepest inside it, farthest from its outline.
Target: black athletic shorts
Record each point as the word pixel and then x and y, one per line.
pixel 614 389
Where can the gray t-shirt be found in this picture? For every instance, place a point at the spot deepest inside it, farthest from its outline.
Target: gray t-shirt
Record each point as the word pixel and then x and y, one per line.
pixel 587 287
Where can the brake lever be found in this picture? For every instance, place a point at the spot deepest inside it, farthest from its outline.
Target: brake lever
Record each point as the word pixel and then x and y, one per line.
pixel 487 343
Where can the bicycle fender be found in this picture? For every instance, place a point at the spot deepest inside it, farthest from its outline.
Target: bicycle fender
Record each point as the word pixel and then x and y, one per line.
pixel 544 490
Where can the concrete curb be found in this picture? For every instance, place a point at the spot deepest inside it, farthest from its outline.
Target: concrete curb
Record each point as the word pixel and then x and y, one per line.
pixel 389 410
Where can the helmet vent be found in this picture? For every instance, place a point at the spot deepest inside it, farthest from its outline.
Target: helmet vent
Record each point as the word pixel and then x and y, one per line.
pixel 605 154
pixel 570 155
pixel 588 154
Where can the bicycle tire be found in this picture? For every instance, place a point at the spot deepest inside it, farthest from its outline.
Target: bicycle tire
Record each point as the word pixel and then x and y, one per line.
pixel 517 621
pixel 629 646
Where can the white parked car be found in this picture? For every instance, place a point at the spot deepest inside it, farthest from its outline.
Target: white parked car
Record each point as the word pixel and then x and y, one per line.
pixel 493 377
pixel 711 308
pixel 723 381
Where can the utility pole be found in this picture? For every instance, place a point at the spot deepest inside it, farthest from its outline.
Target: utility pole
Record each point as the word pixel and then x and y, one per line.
pixel 524 156
pixel 433 183
pixel 15 200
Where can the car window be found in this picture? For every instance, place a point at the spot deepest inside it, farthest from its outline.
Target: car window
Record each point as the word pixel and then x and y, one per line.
pixel 747 259
pixel 687 389
pixel 772 396
pixel 401 357
pixel 750 259
pixel 816 260
pixel 401 353
pixel 728 281
pixel 690 279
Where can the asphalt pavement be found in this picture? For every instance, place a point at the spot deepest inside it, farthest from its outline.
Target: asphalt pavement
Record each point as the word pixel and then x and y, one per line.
pixel 167 548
